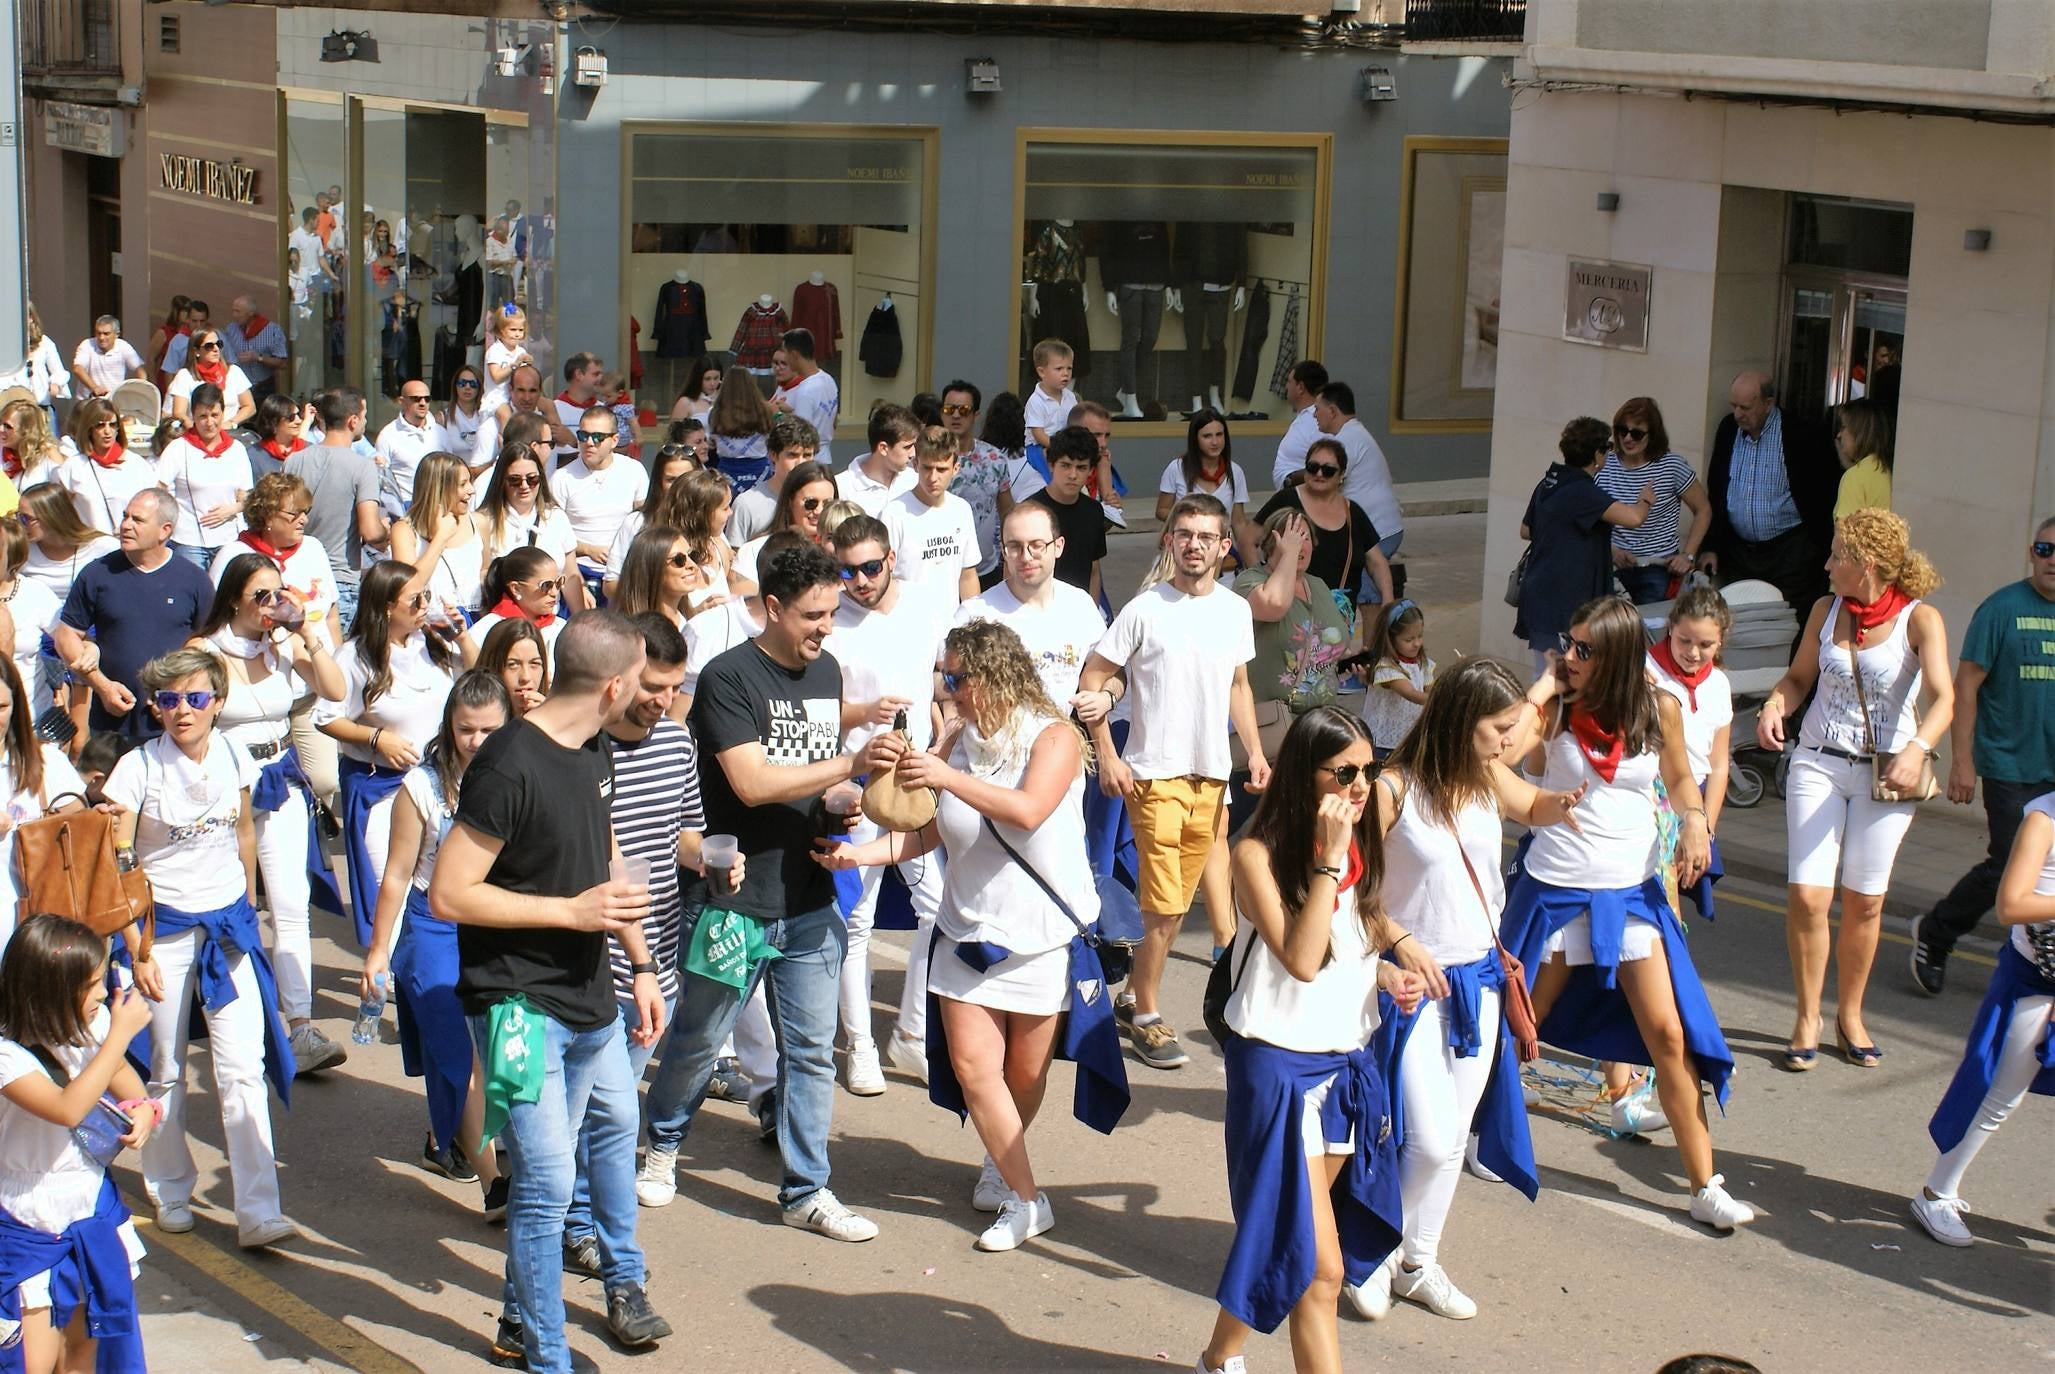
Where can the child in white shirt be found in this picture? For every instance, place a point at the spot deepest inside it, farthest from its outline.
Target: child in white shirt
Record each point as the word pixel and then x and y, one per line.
pixel 1400 674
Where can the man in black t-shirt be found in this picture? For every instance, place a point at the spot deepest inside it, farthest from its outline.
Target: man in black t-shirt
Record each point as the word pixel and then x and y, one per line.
pixel 1080 521
pixel 767 715
pixel 524 874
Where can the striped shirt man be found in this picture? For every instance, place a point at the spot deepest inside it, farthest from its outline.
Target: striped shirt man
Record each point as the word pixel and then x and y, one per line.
pixel 656 796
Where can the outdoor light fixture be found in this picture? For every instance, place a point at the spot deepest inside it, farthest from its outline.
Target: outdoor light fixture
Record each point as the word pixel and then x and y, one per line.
pixel 1608 201
pixel 981 76
pixel 345 45
pixel 1378 86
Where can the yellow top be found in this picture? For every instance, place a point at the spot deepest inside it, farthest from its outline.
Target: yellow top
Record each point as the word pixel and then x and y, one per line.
pixel 10 498
pixel 1863 487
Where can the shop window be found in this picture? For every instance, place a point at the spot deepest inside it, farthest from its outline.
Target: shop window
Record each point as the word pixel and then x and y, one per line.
pixel 734 234
pixel 317 256
pixel 1185 271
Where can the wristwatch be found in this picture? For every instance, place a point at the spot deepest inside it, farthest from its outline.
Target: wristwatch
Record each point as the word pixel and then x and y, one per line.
pixel 647 966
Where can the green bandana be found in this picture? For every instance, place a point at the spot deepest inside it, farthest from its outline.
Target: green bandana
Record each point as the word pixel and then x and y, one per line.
pixel 728 947
pixel 514 1067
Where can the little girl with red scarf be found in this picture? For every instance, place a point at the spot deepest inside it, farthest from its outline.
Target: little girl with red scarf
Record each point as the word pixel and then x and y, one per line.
pixel 1685 664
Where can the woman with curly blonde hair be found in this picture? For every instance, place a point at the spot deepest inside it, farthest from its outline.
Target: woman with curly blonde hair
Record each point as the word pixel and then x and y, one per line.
pixel 1870 650
pixel 1017 893
pixel 31 456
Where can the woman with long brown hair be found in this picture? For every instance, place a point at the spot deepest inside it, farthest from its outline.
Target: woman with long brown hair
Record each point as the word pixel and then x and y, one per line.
pixel 440 533
pixel 740 423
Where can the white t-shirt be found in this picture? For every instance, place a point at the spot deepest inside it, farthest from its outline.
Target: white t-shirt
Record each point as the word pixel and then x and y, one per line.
pixel 617 551
pixel 1048 413
pixel 552 535
pixel 110 369
pixel 401 447
pixel 257 714
pixel 57 574
pixel 100 494
pixel 499 354
pixel 2022 940
pixel 597 502
pixel 199 483
pixel 1180 653
pixel 59 778
pixel 1388 714
pixel 307 573
pixel 1059 636
pixel 423 786
pixel 46 1180
pixel 1368 479
pixel 186 817
pixel 34 610
pixel 816 400
pixel 889 654
pixel 1233 490
pixel 932 542
pixel 1715 709
pixel 1291 450
pixel 854 484
pixel 233 389
pixel 714 632
pixel 412 705
pixel 461 431
pixel 1025 481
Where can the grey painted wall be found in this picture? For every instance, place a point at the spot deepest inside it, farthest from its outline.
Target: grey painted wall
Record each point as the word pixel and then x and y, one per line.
pixel 679 72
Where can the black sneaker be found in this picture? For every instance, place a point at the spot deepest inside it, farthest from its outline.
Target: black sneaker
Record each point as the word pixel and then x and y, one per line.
pixel 767 1119
pixel 496 1200
pixel 451 1163
pixel 1929 960
pixel 727 1083
pixel 632 1320
pixel 509 1349
pixel 581 1256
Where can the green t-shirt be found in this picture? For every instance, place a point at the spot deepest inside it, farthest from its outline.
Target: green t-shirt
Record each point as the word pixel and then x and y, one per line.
pixel 2012 638
pixel 1296 656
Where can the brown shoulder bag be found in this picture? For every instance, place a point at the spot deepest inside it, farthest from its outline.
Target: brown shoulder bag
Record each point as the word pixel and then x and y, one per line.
pixel 67 867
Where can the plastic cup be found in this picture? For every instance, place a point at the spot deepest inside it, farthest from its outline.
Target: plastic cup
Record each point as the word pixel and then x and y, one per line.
pixel 719 853
pixel 631 868
pixel 843 799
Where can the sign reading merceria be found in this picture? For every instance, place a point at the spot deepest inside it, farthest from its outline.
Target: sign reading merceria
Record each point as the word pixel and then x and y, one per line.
pixel 208 179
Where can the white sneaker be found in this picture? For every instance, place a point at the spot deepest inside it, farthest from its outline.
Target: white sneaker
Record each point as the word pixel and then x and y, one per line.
pixel 908 1055
pixel 1476 1165
pixel 1636 1112
pixel 824 1214
pixel 1429 1286
pixel 656 1182
pixel 1235 1365
pixel 990 1192
pixel 1372 1297
pixel 270 1231
pixel 862 1075
pixel 1019 1220
pixel 1713 1206
pixel 174 1218
pixel 1942 1218
pixel 1530 1095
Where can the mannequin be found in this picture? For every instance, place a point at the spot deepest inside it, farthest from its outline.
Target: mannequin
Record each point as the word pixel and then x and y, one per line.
pixel 1053 280
pixel 679 324
pixel 470 290
pixel 817 308
pixel 758 333
pixel 1134 265
pixel 1211 259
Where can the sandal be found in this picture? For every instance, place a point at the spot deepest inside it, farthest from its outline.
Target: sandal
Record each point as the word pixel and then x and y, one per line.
pixel 1799 1061
pixel 1861 1056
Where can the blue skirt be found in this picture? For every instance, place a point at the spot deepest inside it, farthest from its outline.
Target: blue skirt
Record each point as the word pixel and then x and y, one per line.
pixel 435 1040
pixel 2014 978
pixel 364 785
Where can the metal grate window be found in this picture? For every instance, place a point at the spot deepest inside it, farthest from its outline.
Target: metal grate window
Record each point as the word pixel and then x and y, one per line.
pixel 167 33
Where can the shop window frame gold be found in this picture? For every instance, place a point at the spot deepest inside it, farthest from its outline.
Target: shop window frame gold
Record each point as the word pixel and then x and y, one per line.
pixel 930 139
pixel 1312 325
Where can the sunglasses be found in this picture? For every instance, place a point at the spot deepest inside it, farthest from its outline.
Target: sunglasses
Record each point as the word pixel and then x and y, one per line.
pixel 1346 774
pixel 851 571
pixel 953 682
pixel 957 410
pixel 547 587
pixel 264 596
pixel 212 345
pixel 1323 470
pixel 2043 549
pixel 1629 432
pixel 811 504
pixel 680 560
pixel 594 436
pixel 524 480
pixel 418 601
pixel 168 701
pixel 413 395
pixel 1579 649
pixel 466 384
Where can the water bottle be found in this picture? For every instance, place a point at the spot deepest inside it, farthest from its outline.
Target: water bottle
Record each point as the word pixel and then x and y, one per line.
pixel 365 1032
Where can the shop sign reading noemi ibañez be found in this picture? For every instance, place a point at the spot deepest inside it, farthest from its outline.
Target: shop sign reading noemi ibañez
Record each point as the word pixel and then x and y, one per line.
pixel 1606 303
pixel 207 178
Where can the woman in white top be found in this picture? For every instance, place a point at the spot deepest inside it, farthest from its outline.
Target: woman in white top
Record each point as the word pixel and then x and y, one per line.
pixel 275 525
pixel 1590 895
pixel 439 533
pixel 35 780
pixel 272 665
pixel 1206 466
pixel 1874 614
pixel 666 464
pixel 1002 947
pixel 421 968
pixel 466 416
pixel 808 492
pixel 102 474
pixel 1302 1078
pixel 1441 801
pixel 27 611
pixel 522 584
pixel 27 451
pixel 207 365
pixel 518 509
pixel 208 474
pixel 396 673
pixel 42 372
pixel 60 544
pixel 185 812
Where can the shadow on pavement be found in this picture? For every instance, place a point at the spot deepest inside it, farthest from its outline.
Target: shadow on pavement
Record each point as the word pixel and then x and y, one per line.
pixel 893 1331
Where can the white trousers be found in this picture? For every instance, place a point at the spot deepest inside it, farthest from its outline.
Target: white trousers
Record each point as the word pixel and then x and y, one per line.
pixel 1440 1092
pixel 1831 822
pixel 924 877
pixel 2018 1063
pixel 235 1037
pixel 282 859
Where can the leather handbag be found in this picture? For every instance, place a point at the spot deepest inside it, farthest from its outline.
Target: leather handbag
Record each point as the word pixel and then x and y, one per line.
pixel 1516 1003
pixel 890 804
pixel 1220 986
pixel 1880 790
pixel 68 867
pixel 1273 721
pixel 1517 578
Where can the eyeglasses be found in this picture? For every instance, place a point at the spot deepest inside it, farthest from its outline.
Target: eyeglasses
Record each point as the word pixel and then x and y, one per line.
pixel 1033 548
pixel 594 436
pixel 465 384
pixel 2043 549
pixel 168 701
pixel 953 682
pixel 1323 470
pixel 1573 647
pixel 300 514
pixel 1345 775
pixel 871 569
pixel 958 410
pixel 1198 538
pixel 524 480
pixel 1629 432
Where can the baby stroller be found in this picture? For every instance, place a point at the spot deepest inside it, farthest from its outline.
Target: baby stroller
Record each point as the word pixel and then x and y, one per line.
pixel 136 401
pixel 1755 656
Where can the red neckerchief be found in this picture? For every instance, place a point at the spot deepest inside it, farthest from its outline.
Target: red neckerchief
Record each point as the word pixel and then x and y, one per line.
pixel 222 443
pixel 566 398
pixel 1401 658
pixel 1667 661
pixel 271 447
pixel 1213 476
pixel 263 546
pixel 1870 614
pixel 1603 747
pixel 11 461
pixel 217 374
pixel 112 458
pixel 509 609
pixel 257 325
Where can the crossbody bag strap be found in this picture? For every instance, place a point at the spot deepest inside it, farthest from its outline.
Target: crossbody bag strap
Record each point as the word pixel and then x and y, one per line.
pixel 1091 936
pixel 1869 734
pixel 50 1065
pixel 1482 901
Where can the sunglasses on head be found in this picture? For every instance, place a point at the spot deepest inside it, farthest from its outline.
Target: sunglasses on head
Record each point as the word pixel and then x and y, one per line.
pixel 1345 775
pixel 168 701
pixel 1323 470
pixel 870 568
pixel 2043 549
pixel 952 682
pixel 1633 432
pixel 1579 649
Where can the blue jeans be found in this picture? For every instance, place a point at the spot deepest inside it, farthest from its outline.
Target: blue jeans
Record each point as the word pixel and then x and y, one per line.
pixel 578 1221
pixel 199 555
pixel 801 991
pixel 345 605
pixel 586 1084
pixel 1645 585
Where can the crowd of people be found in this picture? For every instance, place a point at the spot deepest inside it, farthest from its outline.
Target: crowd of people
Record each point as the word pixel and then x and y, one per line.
pixel 631 752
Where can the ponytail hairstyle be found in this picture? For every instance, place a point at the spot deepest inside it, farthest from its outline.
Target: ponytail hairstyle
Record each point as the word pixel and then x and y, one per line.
pixel 1392 617
pixel 1882 540
pixel 475 687
pixel 519 564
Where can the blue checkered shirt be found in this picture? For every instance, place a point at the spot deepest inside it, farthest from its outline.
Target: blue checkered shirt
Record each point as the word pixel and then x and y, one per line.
pixel 1759 503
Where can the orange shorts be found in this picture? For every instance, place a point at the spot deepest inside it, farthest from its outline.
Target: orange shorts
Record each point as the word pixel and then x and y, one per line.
pixel 1175 822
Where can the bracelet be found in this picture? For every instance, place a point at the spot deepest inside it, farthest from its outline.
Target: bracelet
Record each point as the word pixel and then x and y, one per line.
pixel 1699 812
pixel 1332 872
pixel 372 743
pixel 1401 940
pixel 647 966
pixel 1530 701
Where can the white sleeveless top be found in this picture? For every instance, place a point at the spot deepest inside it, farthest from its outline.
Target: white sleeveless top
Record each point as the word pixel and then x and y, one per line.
pixel 1890 679
pixel 2045 885
pixel 423 786
pixel 1426 889
pixel 258 713
pixel 1617 847
pixel 1335 1013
